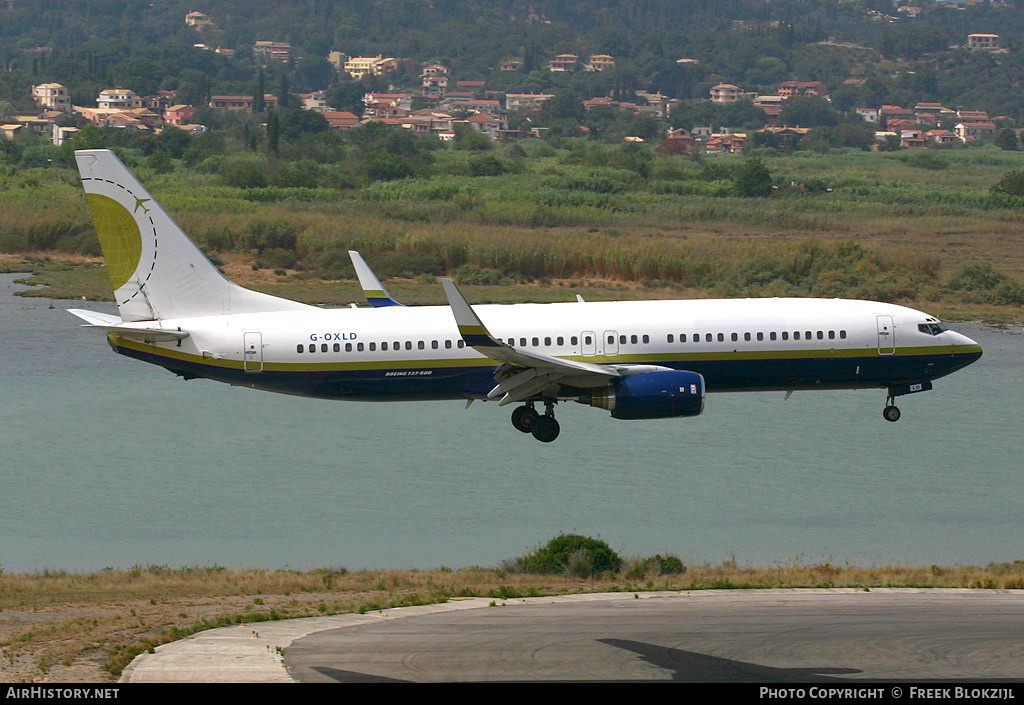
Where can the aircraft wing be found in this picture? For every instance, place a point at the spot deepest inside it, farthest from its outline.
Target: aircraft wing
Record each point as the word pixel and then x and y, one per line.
pixel 522 373
pixel 375 293
pixel 112 324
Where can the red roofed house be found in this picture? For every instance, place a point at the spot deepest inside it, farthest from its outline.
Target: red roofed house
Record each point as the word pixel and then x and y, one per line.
pixel 791 89
pixel 974 131
pixel 178 115
pixel 340 120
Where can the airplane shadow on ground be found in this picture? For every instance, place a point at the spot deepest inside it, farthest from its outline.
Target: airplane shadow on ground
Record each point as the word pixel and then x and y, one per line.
pixel 684 667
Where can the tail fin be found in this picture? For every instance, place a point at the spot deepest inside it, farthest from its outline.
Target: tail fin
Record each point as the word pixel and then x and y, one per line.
pixel 155 270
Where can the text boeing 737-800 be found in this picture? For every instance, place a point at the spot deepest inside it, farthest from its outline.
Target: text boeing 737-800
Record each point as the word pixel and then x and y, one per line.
pixel 638 360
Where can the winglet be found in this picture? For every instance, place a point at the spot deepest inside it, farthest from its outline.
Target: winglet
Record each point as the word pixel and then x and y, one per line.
pixel 376 295
pixel 471 328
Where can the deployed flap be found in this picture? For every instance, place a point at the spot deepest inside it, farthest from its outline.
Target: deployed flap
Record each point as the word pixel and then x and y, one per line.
pixel 523 373
pixel 376 295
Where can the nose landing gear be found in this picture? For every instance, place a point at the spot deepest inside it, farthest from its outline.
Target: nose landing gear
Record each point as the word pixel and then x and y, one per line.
pixel 544 428
pixel 891 412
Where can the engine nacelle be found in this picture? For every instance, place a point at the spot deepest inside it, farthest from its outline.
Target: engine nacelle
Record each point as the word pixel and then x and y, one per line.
pixel 653 395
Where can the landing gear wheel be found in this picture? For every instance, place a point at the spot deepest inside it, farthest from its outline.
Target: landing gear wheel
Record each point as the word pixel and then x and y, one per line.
pixel 524 418
pixel 891 413
pixel 546 429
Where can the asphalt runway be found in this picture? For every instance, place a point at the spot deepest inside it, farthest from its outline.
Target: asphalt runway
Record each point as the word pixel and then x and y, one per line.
pixel 707 637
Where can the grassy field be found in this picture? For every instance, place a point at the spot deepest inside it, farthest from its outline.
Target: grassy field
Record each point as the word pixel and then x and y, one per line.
pixel 86 627
pixel 887 226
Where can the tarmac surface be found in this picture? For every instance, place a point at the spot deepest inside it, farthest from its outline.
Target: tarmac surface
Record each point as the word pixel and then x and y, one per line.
pixel 759 636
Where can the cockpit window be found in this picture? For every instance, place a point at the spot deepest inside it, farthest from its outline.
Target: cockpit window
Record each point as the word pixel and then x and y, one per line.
pixel 931 328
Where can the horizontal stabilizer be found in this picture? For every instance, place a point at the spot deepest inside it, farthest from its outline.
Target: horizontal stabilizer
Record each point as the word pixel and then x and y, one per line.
pixel 112 324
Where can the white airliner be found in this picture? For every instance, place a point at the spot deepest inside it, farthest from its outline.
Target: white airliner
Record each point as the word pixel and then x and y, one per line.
pixel 638 360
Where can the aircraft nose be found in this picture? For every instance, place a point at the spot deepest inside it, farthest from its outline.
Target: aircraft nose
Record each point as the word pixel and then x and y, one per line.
pixel 964 345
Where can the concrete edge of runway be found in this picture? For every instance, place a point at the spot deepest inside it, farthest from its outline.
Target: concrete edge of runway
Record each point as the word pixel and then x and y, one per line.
pixel 252 653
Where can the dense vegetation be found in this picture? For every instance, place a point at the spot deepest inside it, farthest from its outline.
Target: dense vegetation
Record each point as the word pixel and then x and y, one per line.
pixel 884 226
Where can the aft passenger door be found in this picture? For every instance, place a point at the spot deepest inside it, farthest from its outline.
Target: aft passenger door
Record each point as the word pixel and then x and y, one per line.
pixel 252 352
pixel 886 335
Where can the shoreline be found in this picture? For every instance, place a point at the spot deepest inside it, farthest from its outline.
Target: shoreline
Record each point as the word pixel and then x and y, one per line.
pixel 78 277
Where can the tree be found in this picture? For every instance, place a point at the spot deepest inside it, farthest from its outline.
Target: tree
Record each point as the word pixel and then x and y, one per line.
pixel 1011 184
pixel 753 179
pixel 1007 139
pixel 809 112
pixel 258 102
pixel 273 131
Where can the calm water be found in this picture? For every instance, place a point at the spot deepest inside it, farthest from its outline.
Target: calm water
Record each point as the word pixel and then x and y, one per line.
pixel 106 461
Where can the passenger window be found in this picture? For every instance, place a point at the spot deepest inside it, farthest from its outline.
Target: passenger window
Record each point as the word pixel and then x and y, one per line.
pixel 796 335
pixel 622 340
pixel 462 343
pixel 383 346
pixel 522 342
pixel 760 336
pixel 312 348
pixel 721 337
pixel 547 341
pixel 831 335
pixel 299 348
pixel 447 345
pixel 611 339
pixel 682 337
pixel 348 347
pixel 821 335
pixel 433 344
pixel 573 340
pixel 746 336
pixel 373 346
pixel 773 336
pixel 359 347
pixel 536 342
pixel 323 347
pixel 633 339
pixel 337 347
pixel 735 337
pixel 785 335
pixel 420 345
pixel 408 345
pixel 560 340
pixel 708 337
pixel 646 339
pixel 842 334
pixel 807 335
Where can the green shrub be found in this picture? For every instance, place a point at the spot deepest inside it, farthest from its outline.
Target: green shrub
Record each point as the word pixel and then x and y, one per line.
pixel 578 555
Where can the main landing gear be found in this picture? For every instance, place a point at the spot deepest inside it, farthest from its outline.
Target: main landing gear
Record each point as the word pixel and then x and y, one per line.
pixel 544 428
pixel 891 412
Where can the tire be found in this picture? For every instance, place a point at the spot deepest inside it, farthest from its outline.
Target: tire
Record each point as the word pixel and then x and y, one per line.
pixel 891 413
pixel 524 419
pixel 546 429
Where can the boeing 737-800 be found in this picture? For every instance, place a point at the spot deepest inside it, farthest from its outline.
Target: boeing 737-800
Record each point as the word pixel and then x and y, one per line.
pixel 638 360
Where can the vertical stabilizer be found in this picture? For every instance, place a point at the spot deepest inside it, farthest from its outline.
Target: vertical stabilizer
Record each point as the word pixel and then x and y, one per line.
pixel 155 270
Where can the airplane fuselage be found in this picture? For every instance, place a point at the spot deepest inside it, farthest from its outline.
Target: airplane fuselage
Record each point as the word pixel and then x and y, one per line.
pixel 416 353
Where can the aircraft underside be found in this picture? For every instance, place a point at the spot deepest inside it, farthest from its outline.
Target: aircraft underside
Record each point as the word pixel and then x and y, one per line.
pixel 899 374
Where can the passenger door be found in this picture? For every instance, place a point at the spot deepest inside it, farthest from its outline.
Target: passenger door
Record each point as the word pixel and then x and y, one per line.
pixel 886 335
pixel 252 352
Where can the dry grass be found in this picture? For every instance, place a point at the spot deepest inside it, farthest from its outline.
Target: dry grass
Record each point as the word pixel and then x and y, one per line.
pixel 63 626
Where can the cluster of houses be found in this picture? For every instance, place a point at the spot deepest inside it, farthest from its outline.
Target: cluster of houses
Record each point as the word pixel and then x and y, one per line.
pixel 115 107
pixel 441 104
pixel 924 124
